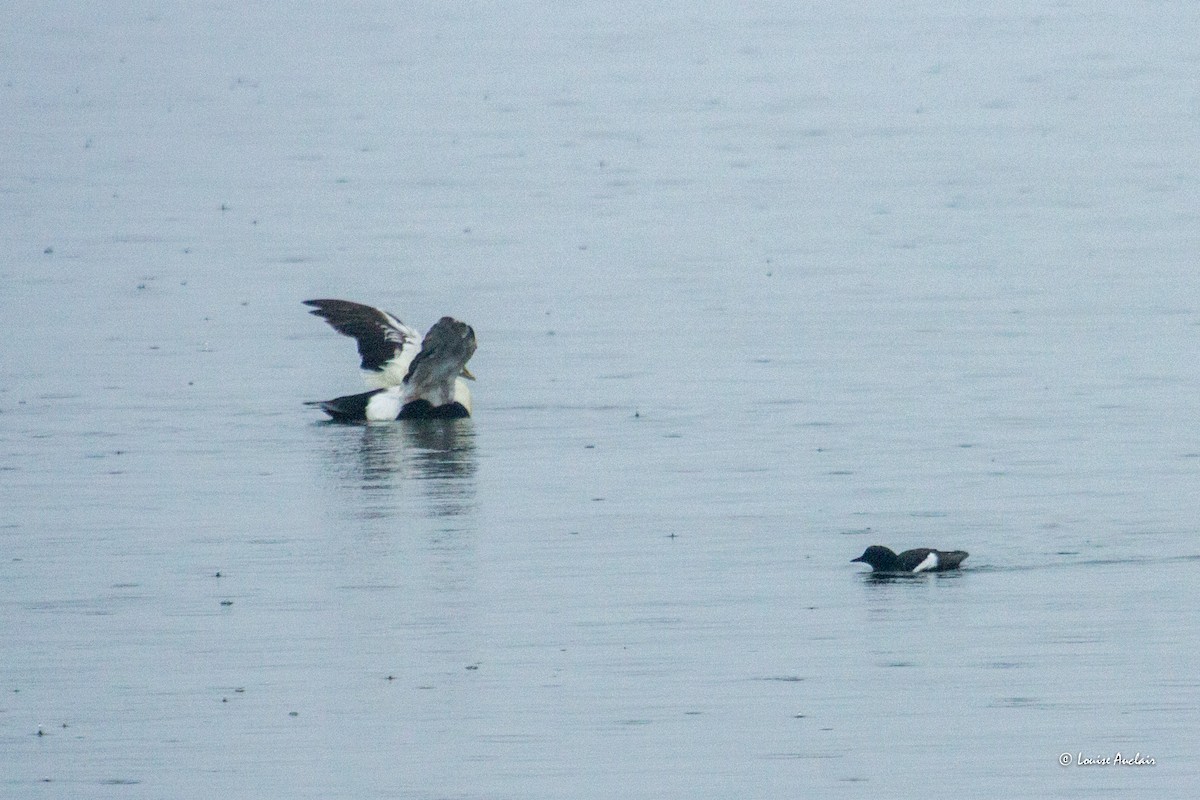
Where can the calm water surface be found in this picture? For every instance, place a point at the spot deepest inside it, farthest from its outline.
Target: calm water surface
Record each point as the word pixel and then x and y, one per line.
pixel 755 287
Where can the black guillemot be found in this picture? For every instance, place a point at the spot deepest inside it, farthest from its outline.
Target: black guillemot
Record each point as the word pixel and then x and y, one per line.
pixel 922 559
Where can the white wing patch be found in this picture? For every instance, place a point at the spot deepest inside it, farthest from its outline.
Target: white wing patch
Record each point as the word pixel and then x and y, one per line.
pixel 930 562
pixel 393 372
pixel 461 394
pixel 384 406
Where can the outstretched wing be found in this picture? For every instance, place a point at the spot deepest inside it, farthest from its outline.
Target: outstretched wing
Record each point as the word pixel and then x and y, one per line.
pixel 386 344
pixel 444 354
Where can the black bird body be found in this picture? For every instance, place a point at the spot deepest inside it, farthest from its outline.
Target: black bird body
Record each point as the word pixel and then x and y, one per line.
pixel 922 559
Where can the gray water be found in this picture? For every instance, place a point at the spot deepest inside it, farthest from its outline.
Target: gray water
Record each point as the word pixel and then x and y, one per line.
pixel 755 286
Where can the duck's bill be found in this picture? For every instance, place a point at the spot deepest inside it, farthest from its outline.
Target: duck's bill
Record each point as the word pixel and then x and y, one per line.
pixel 466 373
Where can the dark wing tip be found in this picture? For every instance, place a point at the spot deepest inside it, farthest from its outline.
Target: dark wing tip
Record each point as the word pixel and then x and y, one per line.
pixel 379 340
pixel 327 307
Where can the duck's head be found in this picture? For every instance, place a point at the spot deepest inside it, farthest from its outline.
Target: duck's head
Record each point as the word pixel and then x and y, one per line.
pixel 445 351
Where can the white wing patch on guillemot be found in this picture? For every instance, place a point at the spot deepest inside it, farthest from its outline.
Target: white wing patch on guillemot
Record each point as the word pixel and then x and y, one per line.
pixel 930 562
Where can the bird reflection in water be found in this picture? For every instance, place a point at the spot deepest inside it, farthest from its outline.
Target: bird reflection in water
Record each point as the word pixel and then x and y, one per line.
pixel 908 578
pixel 436 456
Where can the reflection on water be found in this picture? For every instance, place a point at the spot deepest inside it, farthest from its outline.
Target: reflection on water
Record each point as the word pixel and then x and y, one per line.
pixel 437 457
pixel 918 578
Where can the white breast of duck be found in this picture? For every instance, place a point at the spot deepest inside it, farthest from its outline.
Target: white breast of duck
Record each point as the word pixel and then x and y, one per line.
pixel 399 402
